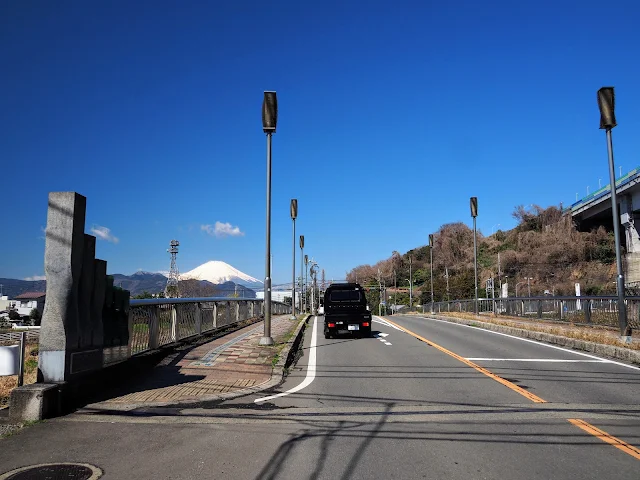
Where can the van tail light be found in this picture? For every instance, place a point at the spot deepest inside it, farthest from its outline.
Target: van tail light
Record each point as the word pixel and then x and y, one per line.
pixel 332 325
pixel 365 324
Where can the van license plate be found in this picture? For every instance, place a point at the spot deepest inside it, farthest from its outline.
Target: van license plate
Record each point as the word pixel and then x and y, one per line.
pixel 354 327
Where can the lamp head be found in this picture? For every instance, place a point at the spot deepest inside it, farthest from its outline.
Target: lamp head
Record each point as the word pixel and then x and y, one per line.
pixel 269 112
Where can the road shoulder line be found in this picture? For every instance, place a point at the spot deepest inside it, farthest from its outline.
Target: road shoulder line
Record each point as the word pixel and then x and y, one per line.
pixel 539 338
pixel 311 368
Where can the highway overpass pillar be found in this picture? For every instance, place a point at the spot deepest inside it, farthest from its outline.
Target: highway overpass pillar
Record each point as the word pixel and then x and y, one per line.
pixel 632 256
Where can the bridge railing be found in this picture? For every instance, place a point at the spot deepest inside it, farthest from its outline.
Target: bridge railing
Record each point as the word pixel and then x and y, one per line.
pixel 601 310
pixel 157 322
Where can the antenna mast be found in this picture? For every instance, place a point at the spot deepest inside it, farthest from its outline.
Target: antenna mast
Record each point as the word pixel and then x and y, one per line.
pixel 171 290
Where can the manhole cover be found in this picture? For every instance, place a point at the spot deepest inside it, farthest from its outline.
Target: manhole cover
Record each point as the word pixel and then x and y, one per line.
pixel 54 471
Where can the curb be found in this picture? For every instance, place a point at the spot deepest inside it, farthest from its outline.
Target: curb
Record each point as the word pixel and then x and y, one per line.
pixel 277 377
pixel 284 361
pixel 620 353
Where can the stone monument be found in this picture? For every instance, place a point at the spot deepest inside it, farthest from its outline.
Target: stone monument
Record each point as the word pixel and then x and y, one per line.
pixel 85 325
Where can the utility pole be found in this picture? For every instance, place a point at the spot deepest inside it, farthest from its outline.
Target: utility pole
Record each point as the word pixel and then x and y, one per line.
pixel 474 214
pixel 379 295
pixel 446 274
pixel 384 295
pixel 499 276
pixel 395 290
pixel 303 294
pixel 306 281
pixel 431 265
pixel 410 286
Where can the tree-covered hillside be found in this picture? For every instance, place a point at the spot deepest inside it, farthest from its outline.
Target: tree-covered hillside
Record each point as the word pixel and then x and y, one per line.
pixel 544 247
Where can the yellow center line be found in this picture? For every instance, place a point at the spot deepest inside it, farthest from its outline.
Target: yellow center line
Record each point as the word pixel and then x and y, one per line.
pixel 587 427
pixel 605 437
pixel 506 383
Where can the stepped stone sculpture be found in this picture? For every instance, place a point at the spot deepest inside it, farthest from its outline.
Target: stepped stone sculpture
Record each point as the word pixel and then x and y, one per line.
pixel 85 323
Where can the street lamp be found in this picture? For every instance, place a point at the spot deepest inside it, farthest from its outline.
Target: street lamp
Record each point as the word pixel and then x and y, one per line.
pixel 306 282
pixel 294 214
pixel 606 104
pixel 474 214
pixel 302 292
pixel 269 121
pixel 313 273
pixel 431 262
pixel 521 283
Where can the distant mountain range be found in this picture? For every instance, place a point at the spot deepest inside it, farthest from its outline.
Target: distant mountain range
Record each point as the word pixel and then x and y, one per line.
pixel 12 287
pixel 212 278
pixel 141 282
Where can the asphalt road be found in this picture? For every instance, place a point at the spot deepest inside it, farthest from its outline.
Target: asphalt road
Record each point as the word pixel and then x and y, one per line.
pixel 456 403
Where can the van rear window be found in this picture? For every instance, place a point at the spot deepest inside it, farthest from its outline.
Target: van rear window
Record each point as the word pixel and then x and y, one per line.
pixel 345 296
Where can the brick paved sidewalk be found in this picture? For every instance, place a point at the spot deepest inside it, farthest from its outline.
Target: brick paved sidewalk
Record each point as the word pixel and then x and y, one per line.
pixel 228 364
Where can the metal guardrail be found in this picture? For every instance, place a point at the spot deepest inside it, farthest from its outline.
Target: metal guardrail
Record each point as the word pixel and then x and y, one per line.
pixel 12 337
pixel 602 311
pixel 158 322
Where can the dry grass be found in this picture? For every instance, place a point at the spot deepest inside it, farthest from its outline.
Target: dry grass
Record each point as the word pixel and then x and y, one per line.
pixel 7 384
pixel 589 334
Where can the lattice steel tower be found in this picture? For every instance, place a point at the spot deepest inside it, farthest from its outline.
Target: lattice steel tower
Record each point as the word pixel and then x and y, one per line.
pixel 171 290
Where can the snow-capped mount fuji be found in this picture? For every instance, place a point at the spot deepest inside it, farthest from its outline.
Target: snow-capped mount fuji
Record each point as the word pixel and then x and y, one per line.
pixel 218 272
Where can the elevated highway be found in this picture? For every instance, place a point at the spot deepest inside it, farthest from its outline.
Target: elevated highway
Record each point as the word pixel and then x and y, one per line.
pixel 594 210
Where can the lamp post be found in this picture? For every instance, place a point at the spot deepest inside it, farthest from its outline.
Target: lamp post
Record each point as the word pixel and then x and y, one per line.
pixel 606 104
pixel 269 121
pixel 518 284
pixel 302 292
pixel 431 264
pixel 294 214
pixel 313 272
pixel 474 214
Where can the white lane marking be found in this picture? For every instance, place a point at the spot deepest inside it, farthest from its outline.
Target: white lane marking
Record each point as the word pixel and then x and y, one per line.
pixel 384 322
pixel 554 360
pixel 311 368
pixel 603 360
pixel 383 334
pixel 387 343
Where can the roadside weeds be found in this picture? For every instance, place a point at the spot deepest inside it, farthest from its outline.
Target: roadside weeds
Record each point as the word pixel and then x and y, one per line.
pixel 588 334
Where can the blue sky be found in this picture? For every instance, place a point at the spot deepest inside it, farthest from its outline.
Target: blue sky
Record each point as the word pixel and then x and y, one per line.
pixel 390 118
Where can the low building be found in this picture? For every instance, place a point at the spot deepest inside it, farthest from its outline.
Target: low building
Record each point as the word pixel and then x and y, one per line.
pixel 4 303
pixel 25 302
pixel 279 296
